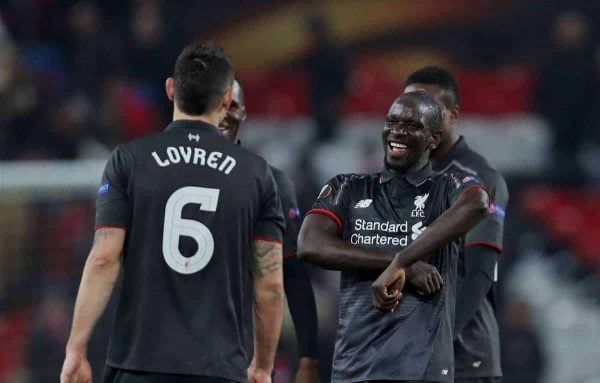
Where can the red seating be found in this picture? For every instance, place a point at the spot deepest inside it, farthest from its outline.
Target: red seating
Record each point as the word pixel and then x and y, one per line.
pixel 371 88
pixel 571 217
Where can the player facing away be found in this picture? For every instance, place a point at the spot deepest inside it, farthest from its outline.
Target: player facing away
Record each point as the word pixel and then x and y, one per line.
pixel 296 281
pixel 194 223
pixel 407 212
pixel 477 340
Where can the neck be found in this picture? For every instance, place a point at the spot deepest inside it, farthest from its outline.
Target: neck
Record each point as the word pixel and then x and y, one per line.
pixel 446 145
pixel 415 168
pixel 213 118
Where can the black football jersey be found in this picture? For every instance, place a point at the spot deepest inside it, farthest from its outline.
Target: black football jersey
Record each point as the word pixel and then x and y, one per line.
pixel 388 212
pixel 291 212
pixel 191 203
pixel 477 347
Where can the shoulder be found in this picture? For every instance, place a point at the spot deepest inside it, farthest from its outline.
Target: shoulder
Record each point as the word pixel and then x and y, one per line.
pixel 474 164
pixel 352 179
pixel 142 142
pixel 344 184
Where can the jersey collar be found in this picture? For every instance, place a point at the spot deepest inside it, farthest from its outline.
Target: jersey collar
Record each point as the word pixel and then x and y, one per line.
pixel 413 178
pixel 455 152
pixel 191 125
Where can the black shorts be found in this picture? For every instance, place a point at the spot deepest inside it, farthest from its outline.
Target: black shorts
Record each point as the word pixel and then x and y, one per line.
pixel 478 380
pixel 116 375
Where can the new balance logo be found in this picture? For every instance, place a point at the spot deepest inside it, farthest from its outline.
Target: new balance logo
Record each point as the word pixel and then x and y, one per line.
pixel 194 137
pixel 363 203
pixel 417 229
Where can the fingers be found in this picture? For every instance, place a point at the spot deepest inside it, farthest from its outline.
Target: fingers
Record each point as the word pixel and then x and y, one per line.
pixel 384 300
pixel 438 281
pixel 387 306
pixel 398 284
pixel 430 284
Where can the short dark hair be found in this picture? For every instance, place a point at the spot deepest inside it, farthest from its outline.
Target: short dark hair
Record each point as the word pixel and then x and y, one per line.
pixel 427 105
pixel 202 74
pixel 435 75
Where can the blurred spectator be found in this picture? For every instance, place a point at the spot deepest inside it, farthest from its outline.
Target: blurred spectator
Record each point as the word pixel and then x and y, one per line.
pixel 68 123
pixel 94 52
pixel 19 113
pixel 326 67
pixel 567 91
pixel 152 50
pixel 522 358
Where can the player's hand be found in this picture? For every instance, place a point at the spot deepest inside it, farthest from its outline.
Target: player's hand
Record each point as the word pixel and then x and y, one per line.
pixel 256 375
pixel 76 369
pixel 425 277
pixel 308 371
pixel 387 289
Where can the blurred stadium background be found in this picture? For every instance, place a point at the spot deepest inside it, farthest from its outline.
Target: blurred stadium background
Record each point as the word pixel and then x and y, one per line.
pixel 78 77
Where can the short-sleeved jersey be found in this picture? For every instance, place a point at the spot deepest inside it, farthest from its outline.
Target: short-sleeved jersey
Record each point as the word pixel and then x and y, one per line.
pixel 191 202
pixel 477 347
pixel 388 212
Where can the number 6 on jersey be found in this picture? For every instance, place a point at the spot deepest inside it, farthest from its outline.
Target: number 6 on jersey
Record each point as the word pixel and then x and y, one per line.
pixel 175 227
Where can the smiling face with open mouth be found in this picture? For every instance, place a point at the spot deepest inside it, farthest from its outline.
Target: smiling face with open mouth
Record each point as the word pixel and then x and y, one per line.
pixel 236 114
pixel 407 136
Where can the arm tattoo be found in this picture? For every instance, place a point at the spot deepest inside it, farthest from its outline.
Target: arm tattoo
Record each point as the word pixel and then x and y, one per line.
pixel 266 258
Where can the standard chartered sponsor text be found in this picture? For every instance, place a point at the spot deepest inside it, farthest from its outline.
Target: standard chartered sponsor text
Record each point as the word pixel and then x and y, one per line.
pixel 399 229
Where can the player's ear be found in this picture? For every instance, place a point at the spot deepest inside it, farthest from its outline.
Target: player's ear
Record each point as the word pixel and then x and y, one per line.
pixel 454 113
pixel 227 97
pixel 170 88
pixel 436 138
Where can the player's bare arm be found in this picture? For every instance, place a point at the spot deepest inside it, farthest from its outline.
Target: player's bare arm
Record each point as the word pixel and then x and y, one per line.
pixel 470 208
pixel 267 270
pixel 99 276
pixel 319 242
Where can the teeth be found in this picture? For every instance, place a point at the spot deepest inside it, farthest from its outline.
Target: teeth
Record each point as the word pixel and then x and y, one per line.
pixel 396 145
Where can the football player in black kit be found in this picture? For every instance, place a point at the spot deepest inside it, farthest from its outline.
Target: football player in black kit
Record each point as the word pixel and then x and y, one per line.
pixel 194 223
pixel 361 224
pixel 477 340
pixel 298 287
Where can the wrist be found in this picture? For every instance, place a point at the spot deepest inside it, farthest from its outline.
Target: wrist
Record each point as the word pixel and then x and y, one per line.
pixel 398 263
pixel 76 347
pixel 262 366
pixel 263 371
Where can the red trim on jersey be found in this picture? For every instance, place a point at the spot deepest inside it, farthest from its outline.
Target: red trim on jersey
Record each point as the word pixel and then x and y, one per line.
pixel 328 213
pixel 110 227
pixel 267 239
pixel 482 188
pixel 483 243
pixel 289 255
